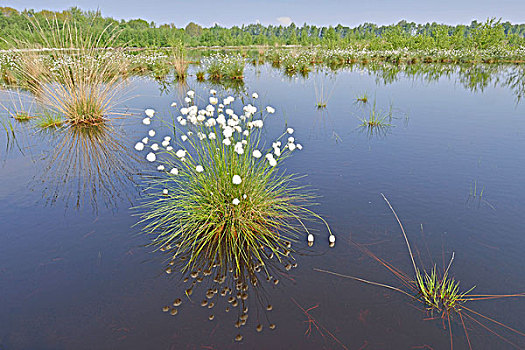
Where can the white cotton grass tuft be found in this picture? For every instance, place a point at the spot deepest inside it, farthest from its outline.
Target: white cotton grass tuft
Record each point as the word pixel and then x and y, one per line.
pixel 139 146
pixel 155 147
pixel 270 109
pixel 161 167
pixel 310 239
pixel 236 201
pixel 290 131
pixel 255 95
pixel 199 169
pixel 236 180
pixel 151 157
pixel 174 171
pixel 151 133
pixel 165 191
pixel 331 239
pixel 146 121
pixel 149 112
pixel 257 154
pixel 145 140
pixel 174 104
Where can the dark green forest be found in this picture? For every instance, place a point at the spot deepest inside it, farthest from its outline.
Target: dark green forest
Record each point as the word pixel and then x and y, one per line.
pixel 19 26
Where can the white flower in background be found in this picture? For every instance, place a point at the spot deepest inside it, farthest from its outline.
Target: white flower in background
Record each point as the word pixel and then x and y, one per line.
pixel 165 191
pixel 244 142
pixel 272 161
pixel 155 147
pixel 246 133
pixel 184 110
pixel 229 111
pixel 291 139
pixel 187 99
pixel 270 110
pixel 299 146
pixel 151 157
pixel 181 153
pixel 237 128
pixel 255 95
pixel 236 201
pixel 169 148
pixel 212 136
pixel 167 138
pixel 269 156
pixel 165 143
pixel 210 109
pixel 289 130
pixel 244 196
pixel 214 100
pixel 161 167
pixel 145 140
pixel 227 141
pixel 184 137
pixel 213 92
pixel 174 104
pixel 191 93
pixel 221 119
pixel 199 169
pixel 149 112
pixel 291 146
pixel 146 121
pixel 183 122
pixel 151 133
pixel 331 239
pixel 174 171
pixel 277 151
pixel 257 154
pixel 189 133
pixel 139 146
pixel 249 110
pixel 236 179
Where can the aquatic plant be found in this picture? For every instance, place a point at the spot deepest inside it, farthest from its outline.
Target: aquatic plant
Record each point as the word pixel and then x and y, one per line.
pixel 362 98
pixel 81 79
pixel 180 64
pixel 439 293
pixel 220 195
pixel 217 203
pixel 50 120
pixel 224 66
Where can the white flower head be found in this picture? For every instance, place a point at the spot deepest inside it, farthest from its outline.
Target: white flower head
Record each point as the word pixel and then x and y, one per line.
pixel 145 140
pixel 169 148
pixel 257 154
pixel 255 95
pixel 272 161
pixel 161 167
pixel 331 239
pixel 180 153
pixel 226 141
pixel 212 136
pixel 299 146
pixel 174 104
pixel 191 93
pixel 236 180
pixel 155 147
pixel 213 92
pixel 199 169
pixel 236 201
pixel 149 112
pixel 290 130
pixel 146 121
pixel 174 171
pixel 139 146
pixel 165 191
pixel 187 99
pixel 270 110
pixel 151 133
pixel 184 137
pixel 151 157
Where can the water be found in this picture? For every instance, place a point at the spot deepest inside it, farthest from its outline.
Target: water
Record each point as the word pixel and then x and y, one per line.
pixel 79 277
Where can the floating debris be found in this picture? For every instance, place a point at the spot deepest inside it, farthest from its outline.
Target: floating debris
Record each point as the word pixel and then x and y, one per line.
pixel 204 303
pixel 166 308
pixel 177 302
pixel 211 317
pixel 269 307
pixel 238 337
pixel 168 270
pixel 174 311
pixel 272 326
pixel 259 328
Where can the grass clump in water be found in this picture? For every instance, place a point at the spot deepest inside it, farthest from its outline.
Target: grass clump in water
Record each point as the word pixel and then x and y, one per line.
pixel 81 78
pixel 220 199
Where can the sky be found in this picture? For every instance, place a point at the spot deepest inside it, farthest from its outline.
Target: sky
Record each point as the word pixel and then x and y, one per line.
pixel 319 12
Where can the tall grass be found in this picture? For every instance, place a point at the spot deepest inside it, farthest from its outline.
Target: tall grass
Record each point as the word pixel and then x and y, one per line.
pixel 180 63
pixel 80 79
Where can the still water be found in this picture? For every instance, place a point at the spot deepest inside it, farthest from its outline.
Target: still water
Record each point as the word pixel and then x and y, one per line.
pixel 75 272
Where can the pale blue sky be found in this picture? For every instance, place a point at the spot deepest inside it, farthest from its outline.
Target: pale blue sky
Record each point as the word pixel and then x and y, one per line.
pixel 319 12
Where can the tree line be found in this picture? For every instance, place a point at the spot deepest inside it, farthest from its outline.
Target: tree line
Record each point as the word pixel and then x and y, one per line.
pixel 19 25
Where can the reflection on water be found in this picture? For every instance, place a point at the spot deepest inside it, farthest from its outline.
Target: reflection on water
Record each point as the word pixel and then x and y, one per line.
pixel 87 164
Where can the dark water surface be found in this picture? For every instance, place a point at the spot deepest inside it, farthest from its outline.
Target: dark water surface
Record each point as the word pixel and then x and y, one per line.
pixel 81 278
